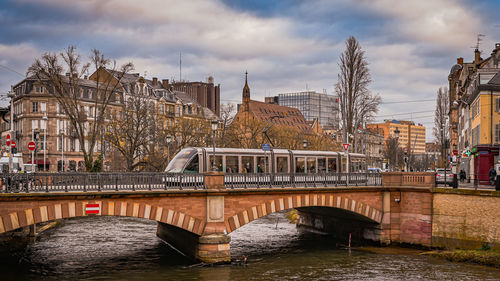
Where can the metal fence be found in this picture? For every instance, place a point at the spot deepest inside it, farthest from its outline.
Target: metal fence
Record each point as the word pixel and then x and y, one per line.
pixel 234 181
pixel 87 182
pixel 83 182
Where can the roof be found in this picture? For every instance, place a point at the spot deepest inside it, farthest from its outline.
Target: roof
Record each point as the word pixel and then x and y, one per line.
pixel 495 81
pixel 279 115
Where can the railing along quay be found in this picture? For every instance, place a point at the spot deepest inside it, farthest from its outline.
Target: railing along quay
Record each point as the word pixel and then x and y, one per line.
pixel 91 182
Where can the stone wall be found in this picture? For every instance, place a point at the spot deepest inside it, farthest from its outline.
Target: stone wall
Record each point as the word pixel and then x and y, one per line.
pixel 465 219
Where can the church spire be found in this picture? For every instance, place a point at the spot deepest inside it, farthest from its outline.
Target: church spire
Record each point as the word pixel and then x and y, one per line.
pixel 246 93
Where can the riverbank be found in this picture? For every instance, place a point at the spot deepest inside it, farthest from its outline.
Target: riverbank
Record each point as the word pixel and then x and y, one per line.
pixel 483 257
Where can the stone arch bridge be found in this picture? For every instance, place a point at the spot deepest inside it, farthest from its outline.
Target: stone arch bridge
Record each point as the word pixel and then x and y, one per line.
pixel 198 222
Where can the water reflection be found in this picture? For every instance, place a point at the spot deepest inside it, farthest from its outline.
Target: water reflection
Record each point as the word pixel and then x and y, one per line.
pixel 110 248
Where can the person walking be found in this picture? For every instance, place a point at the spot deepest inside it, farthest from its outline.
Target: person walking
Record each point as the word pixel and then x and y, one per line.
pixel 493 175
pixel 463 176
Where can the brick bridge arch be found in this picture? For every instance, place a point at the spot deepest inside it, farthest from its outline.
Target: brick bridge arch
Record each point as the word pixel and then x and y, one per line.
pixel 269 206
pixel 51 210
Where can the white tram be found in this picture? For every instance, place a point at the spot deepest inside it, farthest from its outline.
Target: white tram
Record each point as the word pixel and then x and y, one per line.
pixel 239 160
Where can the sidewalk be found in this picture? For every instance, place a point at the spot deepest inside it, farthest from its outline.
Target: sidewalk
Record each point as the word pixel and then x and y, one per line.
pixel 466 185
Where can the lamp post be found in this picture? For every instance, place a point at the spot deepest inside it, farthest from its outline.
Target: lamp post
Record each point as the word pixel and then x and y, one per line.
pixel 169 140
pixel 11 96
pixel 215 123
pixel 305 144
pixel 44 119
pixel 396 134
pixel 61 132
pixel 33 167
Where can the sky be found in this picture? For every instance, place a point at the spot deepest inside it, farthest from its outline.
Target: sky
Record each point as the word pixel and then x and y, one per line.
pixel 286 46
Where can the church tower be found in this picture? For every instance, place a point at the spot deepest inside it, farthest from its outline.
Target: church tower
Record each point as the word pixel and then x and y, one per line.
pixel 246 94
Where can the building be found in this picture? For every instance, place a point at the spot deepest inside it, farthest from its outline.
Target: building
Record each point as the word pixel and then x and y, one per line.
pixel 39 116
pixel 411 136
pixel 313 105
pixel 374 149
pixel 205 94
pixel 475 113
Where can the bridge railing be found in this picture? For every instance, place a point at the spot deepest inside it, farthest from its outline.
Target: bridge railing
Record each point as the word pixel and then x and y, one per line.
pixel 83 182
pixel 282 180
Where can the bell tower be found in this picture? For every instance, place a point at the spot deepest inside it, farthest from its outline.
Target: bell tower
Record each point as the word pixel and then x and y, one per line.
pixel 246 94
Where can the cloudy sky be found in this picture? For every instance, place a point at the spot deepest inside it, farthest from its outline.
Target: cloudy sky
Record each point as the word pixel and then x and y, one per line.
pixel 285 45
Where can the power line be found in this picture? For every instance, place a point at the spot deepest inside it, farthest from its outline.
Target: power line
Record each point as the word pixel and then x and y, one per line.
pixel 11 70
pixel 392 102
pixel 407 113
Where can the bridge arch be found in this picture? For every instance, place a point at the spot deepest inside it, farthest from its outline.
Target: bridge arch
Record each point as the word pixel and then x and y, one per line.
pixel 50 211
pixel 304 200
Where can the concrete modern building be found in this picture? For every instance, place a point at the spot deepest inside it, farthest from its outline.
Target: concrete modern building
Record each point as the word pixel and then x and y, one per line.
pixel 313 105
pixel 411 136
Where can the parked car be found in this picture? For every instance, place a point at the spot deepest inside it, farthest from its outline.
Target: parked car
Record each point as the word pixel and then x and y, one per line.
pixel 440 176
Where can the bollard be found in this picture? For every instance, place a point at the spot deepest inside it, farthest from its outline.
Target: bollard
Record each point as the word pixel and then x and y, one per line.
pixel 455 181
pixel 497 183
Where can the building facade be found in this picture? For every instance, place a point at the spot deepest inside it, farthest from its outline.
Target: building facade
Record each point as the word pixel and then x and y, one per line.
pixel 411 136
pixel 206 94
pixel 313 105
pixel 475 114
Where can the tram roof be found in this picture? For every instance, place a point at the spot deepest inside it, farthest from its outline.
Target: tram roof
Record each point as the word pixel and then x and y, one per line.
pixel 276 150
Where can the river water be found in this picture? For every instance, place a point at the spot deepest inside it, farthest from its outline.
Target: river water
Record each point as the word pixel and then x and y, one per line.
pixel 112 248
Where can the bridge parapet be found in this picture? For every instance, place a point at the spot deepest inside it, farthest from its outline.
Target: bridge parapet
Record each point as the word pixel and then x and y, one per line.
pixel 416 179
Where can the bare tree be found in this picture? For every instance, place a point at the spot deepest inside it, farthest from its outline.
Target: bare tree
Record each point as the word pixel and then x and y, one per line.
pixel 393 153
pixel 440 129
pixel 68 92
pixel 130 132
pixel 356 101
pixel 227 114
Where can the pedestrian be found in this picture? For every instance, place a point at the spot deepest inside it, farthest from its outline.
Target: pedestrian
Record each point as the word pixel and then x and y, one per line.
pixel 493 175
pixel 463 176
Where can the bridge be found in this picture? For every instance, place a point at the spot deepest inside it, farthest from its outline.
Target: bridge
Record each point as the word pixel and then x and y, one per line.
pixel 197 212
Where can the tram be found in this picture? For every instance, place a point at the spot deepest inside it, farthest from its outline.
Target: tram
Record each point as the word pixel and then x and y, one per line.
pixel 239 160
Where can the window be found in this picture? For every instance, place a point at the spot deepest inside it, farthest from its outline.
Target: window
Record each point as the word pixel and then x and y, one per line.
pixel 247 164
pixel 262 164
pixel 43 107
pixel 37 89
pixel 332 165
pixel 72 144
pixel 282 165
pixel 497 104
pixel 35 106
pixel 34 124
pixel 497 133
pixel 232 164
pixel 311 165
pixel 299 165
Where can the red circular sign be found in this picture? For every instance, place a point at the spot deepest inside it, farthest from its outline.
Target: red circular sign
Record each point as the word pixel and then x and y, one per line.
pixel 31 145
pixel 13 144
pixel 7 140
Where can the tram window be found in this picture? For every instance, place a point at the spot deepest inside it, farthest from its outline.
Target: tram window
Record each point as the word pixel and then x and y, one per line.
pixel 262 164
pixel 193 166
pixel 321 165
pixel 332 165
pixel 218 162
pixel 282 164
pixel 311 165
pixel 232 164
pixel 247 164
pixel 299 165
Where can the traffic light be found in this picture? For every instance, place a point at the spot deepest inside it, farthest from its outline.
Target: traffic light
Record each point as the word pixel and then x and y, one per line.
pixel 14 150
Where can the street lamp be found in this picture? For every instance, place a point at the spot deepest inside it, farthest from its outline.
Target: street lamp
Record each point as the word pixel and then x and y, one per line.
pixel 396 134
pixel 44 119
pixel 61 132
pixel 169 140
pixel 215 123
pixel 305 144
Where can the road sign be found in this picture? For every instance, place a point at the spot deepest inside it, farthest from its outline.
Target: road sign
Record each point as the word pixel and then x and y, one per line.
pixel 92 209
pixel 266 146
pixel 346 146
pixel 31 145
pixel 7 140
pixel 13 144
pixel 435 159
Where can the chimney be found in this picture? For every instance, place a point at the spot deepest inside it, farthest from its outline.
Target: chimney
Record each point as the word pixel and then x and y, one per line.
pixel 460 61
pixel 165 83
pixel 477 56
pixel 155 81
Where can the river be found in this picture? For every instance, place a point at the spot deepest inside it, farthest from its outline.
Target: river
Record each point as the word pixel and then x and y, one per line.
pixel 112 248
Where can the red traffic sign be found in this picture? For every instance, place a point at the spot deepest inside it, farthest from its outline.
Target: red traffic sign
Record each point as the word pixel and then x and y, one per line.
pixel 346 146
pixel 92 209
pixel 13 144
pixel 7 140
pixel 31 145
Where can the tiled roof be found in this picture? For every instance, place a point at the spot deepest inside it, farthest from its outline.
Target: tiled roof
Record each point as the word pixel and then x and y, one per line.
pixel 495 80
pixel 288 116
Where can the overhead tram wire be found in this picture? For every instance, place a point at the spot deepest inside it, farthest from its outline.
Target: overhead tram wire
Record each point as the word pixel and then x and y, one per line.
pixel 12 70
